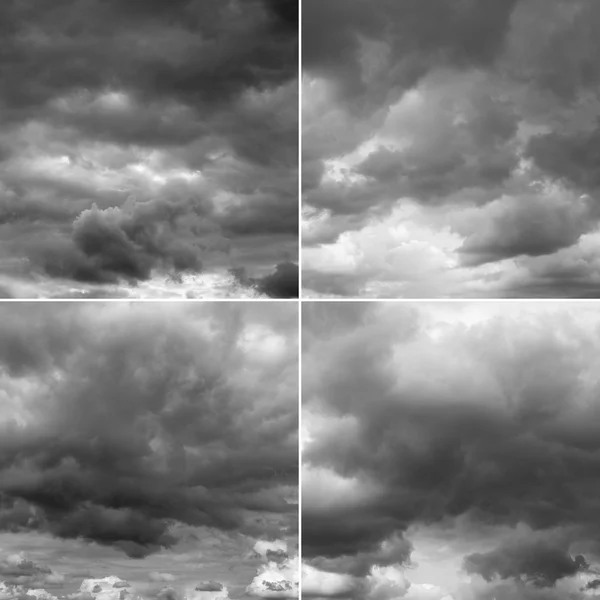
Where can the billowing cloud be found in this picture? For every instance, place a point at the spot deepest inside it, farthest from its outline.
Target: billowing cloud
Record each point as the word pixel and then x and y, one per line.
pixel 468 111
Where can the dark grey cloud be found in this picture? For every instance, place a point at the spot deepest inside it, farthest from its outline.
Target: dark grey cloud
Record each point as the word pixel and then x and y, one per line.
pixel 480 428
pixel 531 225
pixel 133 240
pixel 571 158
pixel 209 586
pixel 539 563
pixel 106 101
pixel 281 283
pixel 593 585
pixel 130 421
pixel 417 36
pixel 394 552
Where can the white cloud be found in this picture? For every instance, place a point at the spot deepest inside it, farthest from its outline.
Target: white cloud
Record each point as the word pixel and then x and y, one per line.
pixel 321 583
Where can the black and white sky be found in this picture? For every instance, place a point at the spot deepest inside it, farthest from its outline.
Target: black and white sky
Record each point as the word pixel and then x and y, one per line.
pixel 146 142
pixel 451 451
pixel 450 148
pixel 150 449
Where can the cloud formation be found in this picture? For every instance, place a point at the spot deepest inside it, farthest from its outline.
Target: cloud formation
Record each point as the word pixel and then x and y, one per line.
pixel 458 443
pixel 19 570
pixel 142 140
pixel 126 424
pixel 465 133
pixel 279 576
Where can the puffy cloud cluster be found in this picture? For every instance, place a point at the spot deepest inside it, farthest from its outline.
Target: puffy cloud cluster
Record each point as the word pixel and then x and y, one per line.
pixel 127 424
pixel 279 577
pixel 465 133
pixel 112 105
pixel 104 588
pixel 17 592
pixel 459 446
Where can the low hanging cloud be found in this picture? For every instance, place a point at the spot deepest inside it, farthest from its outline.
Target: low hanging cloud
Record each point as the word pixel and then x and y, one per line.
pixel 537 562
pixel 132 241
pixel 464 428
pixel 393 551
pixel 120 418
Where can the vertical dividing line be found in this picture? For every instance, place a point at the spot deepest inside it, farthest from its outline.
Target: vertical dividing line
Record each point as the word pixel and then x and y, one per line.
pixel 300 298
pixel 300 444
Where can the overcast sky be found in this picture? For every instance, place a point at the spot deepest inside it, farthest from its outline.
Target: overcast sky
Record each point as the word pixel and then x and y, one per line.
pixel 450 148
pixel 451 452
pixel 141 139
pixel 153 442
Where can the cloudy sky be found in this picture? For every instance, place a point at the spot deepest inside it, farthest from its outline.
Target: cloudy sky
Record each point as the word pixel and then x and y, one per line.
pixel 146 141
pixel 153 442
pixel 451 452
pixel 450 148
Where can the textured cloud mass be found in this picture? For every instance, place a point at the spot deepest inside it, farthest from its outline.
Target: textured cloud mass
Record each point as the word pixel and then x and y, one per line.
pixel 449 148
pixel 146 142
pixel 450 451
pixel 161 432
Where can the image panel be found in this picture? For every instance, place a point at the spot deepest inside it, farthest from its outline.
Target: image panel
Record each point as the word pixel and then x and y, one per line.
pixel 149 149
pixel 449 149
pixel 450 451
pixel 148 451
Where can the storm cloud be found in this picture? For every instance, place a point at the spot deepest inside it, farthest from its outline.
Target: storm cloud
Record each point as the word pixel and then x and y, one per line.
pixel 146 140
pixel 443 144
pixel 454 445
pixel 130 425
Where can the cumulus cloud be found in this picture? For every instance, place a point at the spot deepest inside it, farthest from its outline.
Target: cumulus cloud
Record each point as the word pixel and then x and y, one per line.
pixel 458 108
pixel 105 588
pixel 16 592
pixel 459 443
pixel 384 583
pixel 279 577
pixel 317 583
